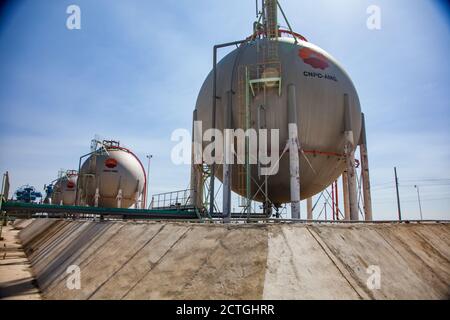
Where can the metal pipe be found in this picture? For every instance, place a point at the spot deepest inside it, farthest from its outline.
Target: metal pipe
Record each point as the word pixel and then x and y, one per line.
pixel 350 160
pixel 294 166
pixel 365 172
pixel 213 123
pixel 247 145
pixel 77 200
pixel 16 209
pixel 287 21
pixel 228 142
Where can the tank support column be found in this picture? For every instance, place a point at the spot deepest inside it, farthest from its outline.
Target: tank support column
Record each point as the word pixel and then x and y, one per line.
pixel 119 199
pixel 97 195
pixel 365 172
pixel 345 195
pixel 294 147
pixel 350 160
pixel 227 158
pixel 196 192
pixel 137 204
pixel 309 208
pixel 77 196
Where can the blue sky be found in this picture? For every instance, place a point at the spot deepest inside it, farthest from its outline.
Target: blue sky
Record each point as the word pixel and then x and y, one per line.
pixel 134 69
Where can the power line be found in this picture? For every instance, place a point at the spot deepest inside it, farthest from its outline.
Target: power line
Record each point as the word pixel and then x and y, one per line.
pixel 384 188
pixel 393 200
pixel 426 185
pixel 427 179
pixel 428 199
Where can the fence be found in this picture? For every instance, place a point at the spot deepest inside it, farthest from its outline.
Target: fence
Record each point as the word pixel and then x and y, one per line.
pixel 176 199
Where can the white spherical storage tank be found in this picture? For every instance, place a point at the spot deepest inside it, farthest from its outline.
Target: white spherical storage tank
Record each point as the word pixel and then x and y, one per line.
pixel 112 177
pixel 321 86
pixel 65 188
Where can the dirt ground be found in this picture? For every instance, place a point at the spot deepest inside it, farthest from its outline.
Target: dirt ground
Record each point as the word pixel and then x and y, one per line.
pixel 16 280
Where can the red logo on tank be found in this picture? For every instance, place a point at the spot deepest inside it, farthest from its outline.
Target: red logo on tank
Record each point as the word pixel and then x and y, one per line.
pixel 111 163
pixel 70 185
pixel 313 58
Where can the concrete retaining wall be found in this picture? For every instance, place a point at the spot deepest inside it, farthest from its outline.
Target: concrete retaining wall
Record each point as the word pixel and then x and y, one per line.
pixel 174 260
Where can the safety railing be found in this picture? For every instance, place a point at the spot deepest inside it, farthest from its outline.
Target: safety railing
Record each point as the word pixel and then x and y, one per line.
pixel 177 200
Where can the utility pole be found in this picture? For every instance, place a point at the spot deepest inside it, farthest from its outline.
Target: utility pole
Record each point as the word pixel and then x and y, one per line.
pixel 149 157
pixel 418 198
pixel 398 195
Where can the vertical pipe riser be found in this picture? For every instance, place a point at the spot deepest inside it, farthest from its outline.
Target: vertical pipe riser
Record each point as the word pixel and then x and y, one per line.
pixel 247 143
pixel 228 141
pixel 213 125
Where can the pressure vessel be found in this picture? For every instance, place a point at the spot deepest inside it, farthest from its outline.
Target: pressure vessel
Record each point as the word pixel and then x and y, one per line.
pixel 321 85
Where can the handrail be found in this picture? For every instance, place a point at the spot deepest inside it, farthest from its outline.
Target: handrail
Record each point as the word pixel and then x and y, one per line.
pixel 178 199
pixel 280 32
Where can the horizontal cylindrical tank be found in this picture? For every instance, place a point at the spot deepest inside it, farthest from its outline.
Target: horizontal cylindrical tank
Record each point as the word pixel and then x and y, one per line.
pixel 64 189
pixel 111 177
pixel 320 85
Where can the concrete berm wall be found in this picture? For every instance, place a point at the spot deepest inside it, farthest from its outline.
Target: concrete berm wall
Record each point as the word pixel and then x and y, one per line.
pixel 174 260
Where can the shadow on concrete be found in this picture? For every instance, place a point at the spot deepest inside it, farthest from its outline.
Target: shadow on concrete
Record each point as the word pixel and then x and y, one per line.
pixel 18 288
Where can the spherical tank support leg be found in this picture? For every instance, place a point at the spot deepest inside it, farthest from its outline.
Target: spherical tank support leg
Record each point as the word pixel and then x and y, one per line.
pixel 294 162
pixel 349 152
pixel 227 157
pixel 365 172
